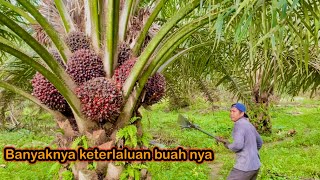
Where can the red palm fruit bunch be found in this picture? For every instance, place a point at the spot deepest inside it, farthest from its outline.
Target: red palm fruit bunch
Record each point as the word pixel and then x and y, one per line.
pixel 155 87
pixel 122 72
pixel 84 65
pixel 77 40
pixel 124 53
pixel 101 100
pixel 47 93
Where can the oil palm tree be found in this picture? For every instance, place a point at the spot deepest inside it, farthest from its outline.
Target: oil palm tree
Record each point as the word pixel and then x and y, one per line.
pixel 256 47
pixel 60 45
pixel 272 39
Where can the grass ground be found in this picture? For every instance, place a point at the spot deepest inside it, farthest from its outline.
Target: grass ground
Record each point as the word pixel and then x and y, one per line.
pixel 35 131
pixel 283 156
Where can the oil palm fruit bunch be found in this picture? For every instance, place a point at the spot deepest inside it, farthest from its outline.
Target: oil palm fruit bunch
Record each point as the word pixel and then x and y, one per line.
pixel 47 93
pixel 123 71
pixel 154 88
pixel 124 53
pixel 84 65
pixel 77 40
pixel 101 99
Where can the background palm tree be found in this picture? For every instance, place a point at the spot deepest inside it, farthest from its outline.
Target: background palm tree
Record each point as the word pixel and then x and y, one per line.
pixel 108 24
pixel 248 43
pixel 12 70
pixel 255 47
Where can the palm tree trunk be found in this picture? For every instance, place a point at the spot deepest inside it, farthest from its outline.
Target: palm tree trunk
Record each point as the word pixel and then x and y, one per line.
pixel 261 116
pixel 175 94
pixel 103 139
pixel 2 117
pixel 205 90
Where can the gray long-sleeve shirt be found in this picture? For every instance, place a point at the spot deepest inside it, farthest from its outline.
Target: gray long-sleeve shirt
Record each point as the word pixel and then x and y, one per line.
pixel 246 144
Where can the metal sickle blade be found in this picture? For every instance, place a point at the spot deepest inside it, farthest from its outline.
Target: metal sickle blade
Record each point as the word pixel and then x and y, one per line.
pixel 185 123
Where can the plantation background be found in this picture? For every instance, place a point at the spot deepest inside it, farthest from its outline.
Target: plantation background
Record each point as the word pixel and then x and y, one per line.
pixel 283 155
pixel 119 72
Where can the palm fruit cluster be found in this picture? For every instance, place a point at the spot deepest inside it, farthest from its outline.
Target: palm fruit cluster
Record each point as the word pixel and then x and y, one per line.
pixel 124 53
pixel 84 65
pixel 47 93
pixel 101 100
pixel 123 71
pixel 73 123
pixel 77 40
pixel 155 89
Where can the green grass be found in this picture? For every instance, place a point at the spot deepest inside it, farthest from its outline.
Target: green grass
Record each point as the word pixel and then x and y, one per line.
pixel 283 156
pixel 35 131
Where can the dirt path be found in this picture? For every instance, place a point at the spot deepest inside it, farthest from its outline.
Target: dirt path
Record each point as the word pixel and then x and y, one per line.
pixel 215 169
pixel 274 143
